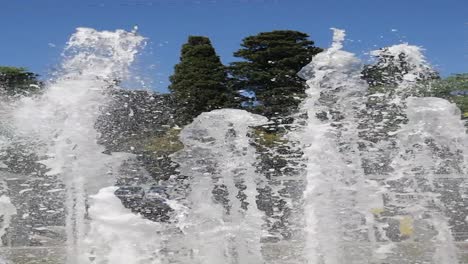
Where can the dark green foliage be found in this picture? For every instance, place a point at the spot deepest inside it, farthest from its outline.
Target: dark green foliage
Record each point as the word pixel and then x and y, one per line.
pixel 389 70
pixel 133 117
pixel 271 62
pixel 199 80
pixel 143 123
pixel 277 159
pixel 17 81
pixel 453 88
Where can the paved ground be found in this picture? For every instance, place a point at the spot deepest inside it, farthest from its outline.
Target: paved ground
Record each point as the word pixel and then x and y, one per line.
pixel 56 255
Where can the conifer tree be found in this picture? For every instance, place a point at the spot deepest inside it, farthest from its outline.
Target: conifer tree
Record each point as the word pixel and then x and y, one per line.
pixel 199 80
pixel 16 81
pixel 391 67
pixel 271 61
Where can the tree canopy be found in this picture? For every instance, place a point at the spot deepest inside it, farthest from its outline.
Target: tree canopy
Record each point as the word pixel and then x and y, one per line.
pixel 199 80
pixel 391 67
pixel 453 88
pixel 270 63
pixel 17 81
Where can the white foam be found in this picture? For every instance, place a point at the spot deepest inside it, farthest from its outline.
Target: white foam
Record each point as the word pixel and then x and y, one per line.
pixel 218 153
pixel 118 236
pixel 7 210
pixel 62 120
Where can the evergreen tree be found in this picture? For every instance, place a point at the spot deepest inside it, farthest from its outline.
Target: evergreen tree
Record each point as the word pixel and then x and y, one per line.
pixel 270 66
pixel 453 88
pixel 199 80
pixel 391 67
pixel 17 81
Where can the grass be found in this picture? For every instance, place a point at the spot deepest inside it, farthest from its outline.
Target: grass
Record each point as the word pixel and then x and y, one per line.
pixel 268 138
pixel 168 143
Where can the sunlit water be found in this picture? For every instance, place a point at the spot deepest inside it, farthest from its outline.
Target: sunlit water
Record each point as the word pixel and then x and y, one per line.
pixel 361 189
pixel 356 186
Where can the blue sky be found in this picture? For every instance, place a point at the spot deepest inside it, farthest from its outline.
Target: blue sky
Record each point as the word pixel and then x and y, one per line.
pixel 33 32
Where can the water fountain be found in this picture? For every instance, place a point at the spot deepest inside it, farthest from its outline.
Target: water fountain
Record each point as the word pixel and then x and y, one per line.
pixel 61 121
pixel 223 188
pixel 336 195
pixel 381 171
pixel 359 172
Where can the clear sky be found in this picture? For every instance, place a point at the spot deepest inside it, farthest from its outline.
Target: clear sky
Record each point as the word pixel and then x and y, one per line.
pixel 33 32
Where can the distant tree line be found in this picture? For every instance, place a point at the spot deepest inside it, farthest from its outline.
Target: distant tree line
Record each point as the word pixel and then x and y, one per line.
pixel 16 81
pixel 263 81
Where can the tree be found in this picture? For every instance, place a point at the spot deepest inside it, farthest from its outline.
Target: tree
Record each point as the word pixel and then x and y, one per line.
pixel 270 66
pixel 394 64
pixel 18 81
pixel 453 88
pixel 199 80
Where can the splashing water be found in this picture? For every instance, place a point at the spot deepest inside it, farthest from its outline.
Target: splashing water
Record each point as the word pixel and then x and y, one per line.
pixel 381 168
pixel 353 180
pixel 335 196
pixel 418 157
pixel 223 224
pixel 429 158
pixel 62 120
pixel 407 60
pixel 117 235
pixel 7 210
